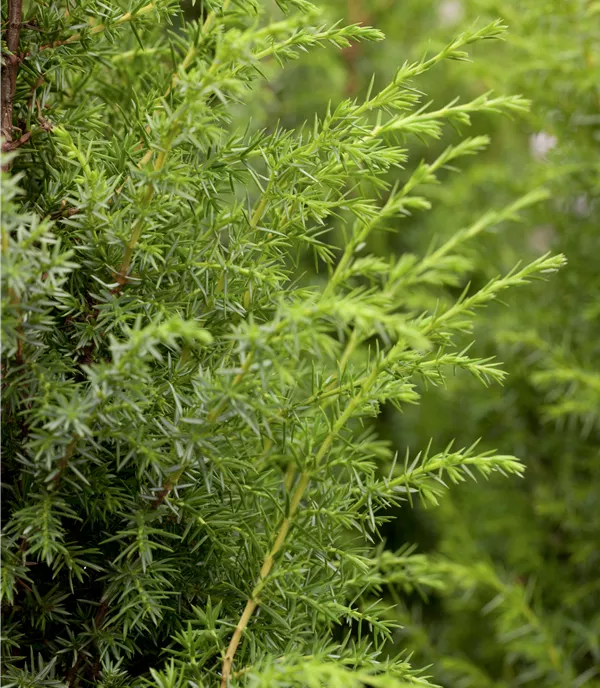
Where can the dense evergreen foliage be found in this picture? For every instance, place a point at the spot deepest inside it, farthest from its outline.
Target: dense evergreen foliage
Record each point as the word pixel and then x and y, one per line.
pixel 203 318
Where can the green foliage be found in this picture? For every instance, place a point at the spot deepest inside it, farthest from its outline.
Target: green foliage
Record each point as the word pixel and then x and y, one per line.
pixel 192 484
pixel 526 611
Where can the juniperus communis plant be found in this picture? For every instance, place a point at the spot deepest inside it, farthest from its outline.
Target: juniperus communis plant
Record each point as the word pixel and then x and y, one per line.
pixel 522 603
pixel 191 484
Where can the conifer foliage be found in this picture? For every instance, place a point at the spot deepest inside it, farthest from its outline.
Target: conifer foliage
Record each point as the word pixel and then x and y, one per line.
pixel 521 604
pixel 527 612
pixel 191 493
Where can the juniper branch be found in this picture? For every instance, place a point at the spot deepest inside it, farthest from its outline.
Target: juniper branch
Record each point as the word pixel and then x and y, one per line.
pixel 10 67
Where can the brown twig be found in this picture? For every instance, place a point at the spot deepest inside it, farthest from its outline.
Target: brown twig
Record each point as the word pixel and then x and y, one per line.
pixel 10 68
pixel 167 487
pixel 71 675
pixel 297 495
pixel 253 601
pixel 63 211
pixel 64 461
pixel 101 613
pixel 13 145
pixel 22 545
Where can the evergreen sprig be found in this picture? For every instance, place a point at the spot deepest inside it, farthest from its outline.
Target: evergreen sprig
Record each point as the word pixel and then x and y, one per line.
pixel 192 491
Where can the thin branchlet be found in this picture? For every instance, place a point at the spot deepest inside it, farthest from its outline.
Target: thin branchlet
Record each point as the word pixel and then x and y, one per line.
pixel 10 68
